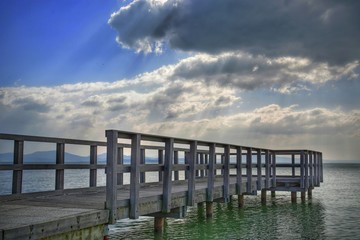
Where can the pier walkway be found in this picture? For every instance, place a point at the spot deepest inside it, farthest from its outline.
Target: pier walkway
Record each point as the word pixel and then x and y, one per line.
pixel 145 175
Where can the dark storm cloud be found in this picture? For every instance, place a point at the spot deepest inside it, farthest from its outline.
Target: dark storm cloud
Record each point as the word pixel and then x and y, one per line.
pixel 322 30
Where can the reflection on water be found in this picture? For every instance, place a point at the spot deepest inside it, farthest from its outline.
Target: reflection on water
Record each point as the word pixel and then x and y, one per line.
pixel 332 213
pixel 279 219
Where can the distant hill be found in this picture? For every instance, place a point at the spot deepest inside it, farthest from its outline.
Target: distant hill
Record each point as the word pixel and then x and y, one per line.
pixel 50 157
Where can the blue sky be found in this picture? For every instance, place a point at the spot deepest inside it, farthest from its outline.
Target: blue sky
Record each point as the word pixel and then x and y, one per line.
pixel 56 42
pixel 272 74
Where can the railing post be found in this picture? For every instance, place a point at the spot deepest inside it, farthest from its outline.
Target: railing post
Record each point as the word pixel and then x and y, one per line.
pixel 202 174
pixel 161 161
pixel 176 161
pixel 93 161
pixel 317 172
pixel 311 175
pixel 191 175
pixel 302 172
pixel 306 184
pixel 134 176
pixel 186 161
pixel 249 170
pixel 18 159
pixel 211 172
pixel 267 169
pixel 111 174
pixel 274 169
pixel 321 168
pixel 167 181
pixel 226 173
pixel 142 161
pixel 197 172
pixel 259 176
pixel 293 165
pixel 207 163
pixel 60 158
pixel 120 161
pixel 238 170
pixel 222 163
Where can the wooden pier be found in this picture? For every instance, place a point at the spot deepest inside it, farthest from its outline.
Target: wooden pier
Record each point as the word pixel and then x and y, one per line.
pixel 187 172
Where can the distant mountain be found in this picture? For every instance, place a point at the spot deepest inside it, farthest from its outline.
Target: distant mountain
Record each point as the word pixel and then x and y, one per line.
pixel 50 157
pixel 6 158
pixel 47 157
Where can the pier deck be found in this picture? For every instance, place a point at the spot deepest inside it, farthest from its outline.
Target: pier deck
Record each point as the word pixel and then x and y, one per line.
pixel 37 214
pixel 210 171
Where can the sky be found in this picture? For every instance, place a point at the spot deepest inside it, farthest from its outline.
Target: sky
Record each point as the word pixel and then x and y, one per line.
pixel 275 74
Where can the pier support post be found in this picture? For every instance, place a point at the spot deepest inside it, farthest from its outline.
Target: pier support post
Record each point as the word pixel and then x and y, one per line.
pixel 273 194
pixel 209 209
pixel 159 223
pixel 303 196
pixel 241 200
pixel 310 193
pixel 106 232
pixel 293 197
pixel 263 196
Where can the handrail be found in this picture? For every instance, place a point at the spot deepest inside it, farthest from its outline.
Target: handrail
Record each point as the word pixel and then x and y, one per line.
pixel 18 164
pixel 199 163
pixel 201 160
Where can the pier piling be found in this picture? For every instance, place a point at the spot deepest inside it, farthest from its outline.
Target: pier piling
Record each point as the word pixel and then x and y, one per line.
pixel 241 200
pixel 159 223
pixel 263 196
pixel 310 193
pixel 303 196
pixel 273 194
pixel 209 209
pixel 293 197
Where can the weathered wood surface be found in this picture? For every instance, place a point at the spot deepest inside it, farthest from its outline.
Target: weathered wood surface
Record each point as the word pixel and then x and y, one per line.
pixel 28 214
pixel 243 170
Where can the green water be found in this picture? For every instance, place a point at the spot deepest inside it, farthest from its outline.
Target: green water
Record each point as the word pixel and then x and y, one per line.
pixel 279 219
pixel 332 213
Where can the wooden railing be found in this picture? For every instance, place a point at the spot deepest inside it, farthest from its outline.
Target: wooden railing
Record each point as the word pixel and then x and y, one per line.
pixel 174 160
pixel 203 159
pixel 18 165
pixel 310 167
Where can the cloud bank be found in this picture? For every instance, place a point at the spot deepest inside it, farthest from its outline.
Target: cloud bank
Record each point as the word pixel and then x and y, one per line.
pixel 279 48
pixel 199 97
pixel 322 31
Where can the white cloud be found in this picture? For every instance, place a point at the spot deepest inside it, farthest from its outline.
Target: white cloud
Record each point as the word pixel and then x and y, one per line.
pixel 334 132
pixel 269 120
pixel 245 71
pixel 199 97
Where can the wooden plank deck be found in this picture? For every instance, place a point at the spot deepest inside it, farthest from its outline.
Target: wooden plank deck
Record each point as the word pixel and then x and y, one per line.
pixel 38 214
pixel 211 170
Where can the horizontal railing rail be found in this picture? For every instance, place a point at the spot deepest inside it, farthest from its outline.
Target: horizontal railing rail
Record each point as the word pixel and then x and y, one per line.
pixel 18 165
pixel 136 159
pixel 202 159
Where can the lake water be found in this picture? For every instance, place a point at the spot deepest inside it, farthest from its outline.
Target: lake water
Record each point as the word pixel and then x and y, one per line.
pixel 332 213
